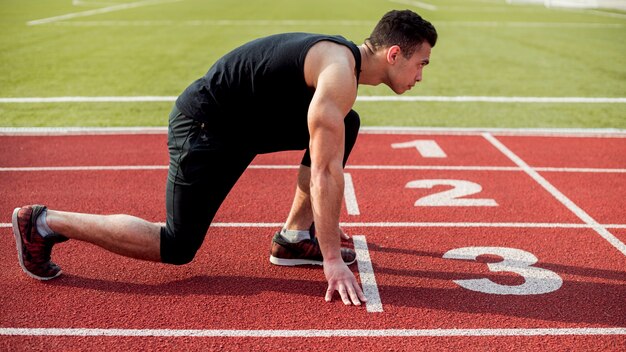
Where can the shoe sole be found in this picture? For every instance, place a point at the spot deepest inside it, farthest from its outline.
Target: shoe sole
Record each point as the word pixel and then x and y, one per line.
pixel 295 262
pixel 18 244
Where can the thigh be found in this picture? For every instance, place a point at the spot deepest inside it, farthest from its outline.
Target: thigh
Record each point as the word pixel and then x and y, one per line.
pixel 202 171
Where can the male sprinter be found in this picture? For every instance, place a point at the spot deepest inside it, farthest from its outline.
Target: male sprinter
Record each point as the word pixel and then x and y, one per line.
pixel 284 92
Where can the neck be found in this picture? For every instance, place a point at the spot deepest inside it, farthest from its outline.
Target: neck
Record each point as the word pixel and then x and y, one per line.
pixel 371 73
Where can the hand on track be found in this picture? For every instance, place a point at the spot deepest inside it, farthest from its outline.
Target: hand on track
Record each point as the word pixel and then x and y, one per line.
pixel 341 279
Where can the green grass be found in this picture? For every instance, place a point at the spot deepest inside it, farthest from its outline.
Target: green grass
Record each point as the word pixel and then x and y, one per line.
pixel 486 48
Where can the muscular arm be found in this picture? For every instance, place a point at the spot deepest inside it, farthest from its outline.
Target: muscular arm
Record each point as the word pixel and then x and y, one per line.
pixel 329 68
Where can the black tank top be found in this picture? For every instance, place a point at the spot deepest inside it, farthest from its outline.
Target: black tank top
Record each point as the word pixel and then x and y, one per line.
pixel 257 92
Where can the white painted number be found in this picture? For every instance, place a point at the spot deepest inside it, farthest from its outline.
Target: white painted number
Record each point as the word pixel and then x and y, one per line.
pixel 426 148
pixel 452 197
pixel 537 280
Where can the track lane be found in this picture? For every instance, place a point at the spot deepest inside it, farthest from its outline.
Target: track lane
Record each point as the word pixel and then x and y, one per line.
pixel 416 282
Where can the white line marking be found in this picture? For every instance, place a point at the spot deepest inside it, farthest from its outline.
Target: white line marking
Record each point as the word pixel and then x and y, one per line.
pixel 451 131
pixel 426 148
pixel 72 131
pixel 327 23
pixel 98 11
pixel 83 168
pixel 312 333
pixel 216 23
pixel 579 169
pixel 614 241
pixel 380 98
pixel 418 4
pixel 433 167
pixel 127 99
pixel 490 99
pixel 464 131
pixel 366 273
pixel 349 195
pixel 524 24
pixel 292 167
pixel 419 225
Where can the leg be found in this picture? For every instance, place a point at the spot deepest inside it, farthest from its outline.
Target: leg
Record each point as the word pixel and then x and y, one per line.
pixel 122 234
pixel 301 215
pixel 202 172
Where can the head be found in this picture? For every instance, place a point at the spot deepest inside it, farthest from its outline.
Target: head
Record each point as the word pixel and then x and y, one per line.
pixel 406 39
pixel 405 29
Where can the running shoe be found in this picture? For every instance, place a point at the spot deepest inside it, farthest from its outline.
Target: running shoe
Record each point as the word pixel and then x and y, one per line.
pixel 305 252
pixel 33 250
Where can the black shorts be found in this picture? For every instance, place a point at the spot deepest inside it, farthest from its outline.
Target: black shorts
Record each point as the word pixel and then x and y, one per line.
pixel 203 169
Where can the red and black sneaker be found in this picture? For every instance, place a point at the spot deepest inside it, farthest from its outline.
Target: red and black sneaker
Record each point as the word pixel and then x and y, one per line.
pixel 305 252
pixel 33 250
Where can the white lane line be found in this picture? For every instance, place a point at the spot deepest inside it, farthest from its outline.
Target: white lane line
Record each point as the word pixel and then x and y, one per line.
pixel 586 218
pixel 83 168
pixel 327 23
pixel 217 23
pixel 579 169
pixel 384 130
pixel 548 225
pixel 348 192
pixel 349 195
pixel 312 333
pixel 121 99
pixel 379 98
pixel 418 4
pixel 366 273
pixel 97 11
pixel 491 99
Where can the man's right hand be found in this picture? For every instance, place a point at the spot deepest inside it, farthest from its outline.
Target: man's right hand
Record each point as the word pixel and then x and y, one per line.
pixel 341 279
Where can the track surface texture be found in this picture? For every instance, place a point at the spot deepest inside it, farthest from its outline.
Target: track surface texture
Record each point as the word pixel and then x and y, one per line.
pixel 527 254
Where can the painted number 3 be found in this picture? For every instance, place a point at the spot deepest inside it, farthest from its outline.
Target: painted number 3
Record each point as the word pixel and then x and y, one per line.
pixel 537 280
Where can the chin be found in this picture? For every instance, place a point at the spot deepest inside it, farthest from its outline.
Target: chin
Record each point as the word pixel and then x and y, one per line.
pixel 400 91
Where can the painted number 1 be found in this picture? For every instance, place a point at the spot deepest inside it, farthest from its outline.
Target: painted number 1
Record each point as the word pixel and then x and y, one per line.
pixel 536 280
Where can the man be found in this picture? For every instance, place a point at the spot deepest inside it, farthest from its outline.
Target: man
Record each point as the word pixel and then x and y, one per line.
pixel 283 92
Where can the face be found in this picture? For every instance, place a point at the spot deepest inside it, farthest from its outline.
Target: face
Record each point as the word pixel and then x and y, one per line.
pixel 405 73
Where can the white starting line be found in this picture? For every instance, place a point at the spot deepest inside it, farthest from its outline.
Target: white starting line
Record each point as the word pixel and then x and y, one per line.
pixel 311 333
pixel 530 225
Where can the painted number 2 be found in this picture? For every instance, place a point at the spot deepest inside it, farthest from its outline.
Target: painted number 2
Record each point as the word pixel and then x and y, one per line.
pixel 452 197
pixel 536 280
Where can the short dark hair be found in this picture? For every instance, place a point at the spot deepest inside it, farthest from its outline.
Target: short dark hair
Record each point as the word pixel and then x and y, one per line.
pixel 404 28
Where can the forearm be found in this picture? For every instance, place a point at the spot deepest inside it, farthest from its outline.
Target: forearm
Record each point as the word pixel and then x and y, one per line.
pixel 326 192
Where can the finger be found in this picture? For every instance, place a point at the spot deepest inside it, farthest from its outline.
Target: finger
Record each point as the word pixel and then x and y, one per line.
pixel 353 296
pixel 329 294
pixel 344 295
pixel 360 293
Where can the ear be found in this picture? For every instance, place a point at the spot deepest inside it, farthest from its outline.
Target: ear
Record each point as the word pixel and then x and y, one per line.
pixel 393 53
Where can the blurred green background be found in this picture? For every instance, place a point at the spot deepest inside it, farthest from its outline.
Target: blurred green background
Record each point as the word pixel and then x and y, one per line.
pixel 158 47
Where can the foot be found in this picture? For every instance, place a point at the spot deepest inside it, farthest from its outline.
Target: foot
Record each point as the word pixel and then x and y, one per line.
pixel 33 250
pixel 305 252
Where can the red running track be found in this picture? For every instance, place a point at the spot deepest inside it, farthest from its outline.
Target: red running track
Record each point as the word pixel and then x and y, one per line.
pixel 571 298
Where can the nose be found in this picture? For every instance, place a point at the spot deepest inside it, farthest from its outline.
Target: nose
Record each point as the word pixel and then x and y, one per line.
pixel 418 77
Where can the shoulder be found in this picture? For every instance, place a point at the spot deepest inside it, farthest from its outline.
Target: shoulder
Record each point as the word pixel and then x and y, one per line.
pixel 326 54
pixel 326 51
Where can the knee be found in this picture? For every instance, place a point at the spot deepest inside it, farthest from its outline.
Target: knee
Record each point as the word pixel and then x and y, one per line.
pixel 176 249
pixel 180 257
